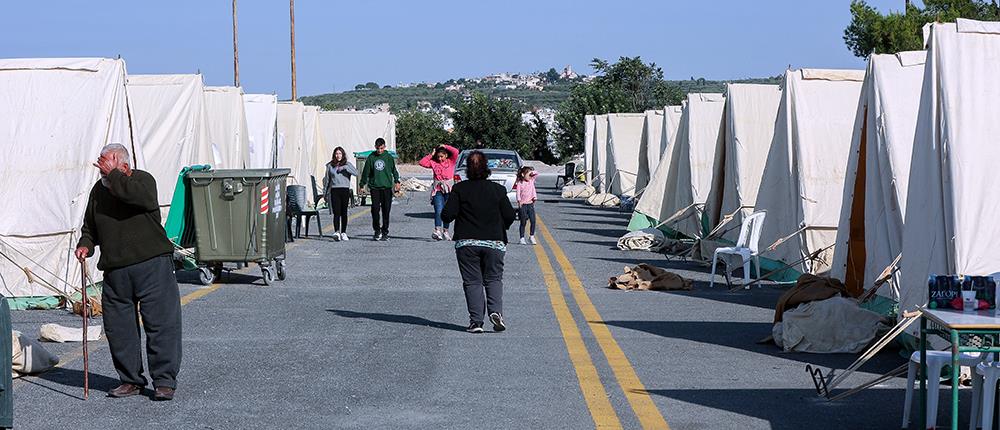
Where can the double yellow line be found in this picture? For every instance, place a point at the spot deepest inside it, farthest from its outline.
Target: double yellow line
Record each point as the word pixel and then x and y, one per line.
pixel 593 389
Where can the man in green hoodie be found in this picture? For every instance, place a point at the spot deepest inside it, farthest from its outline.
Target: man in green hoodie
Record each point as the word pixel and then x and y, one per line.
pixel 382 179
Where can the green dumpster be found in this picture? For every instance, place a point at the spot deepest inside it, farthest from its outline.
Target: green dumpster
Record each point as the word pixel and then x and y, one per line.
pixel 239 217
pixel 361 157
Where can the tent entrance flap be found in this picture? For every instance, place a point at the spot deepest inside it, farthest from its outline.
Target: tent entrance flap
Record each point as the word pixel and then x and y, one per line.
pixel 854 277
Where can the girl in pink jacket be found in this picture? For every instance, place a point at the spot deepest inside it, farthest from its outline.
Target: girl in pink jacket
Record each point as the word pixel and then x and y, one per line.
pixel 526 197
pixel 442 163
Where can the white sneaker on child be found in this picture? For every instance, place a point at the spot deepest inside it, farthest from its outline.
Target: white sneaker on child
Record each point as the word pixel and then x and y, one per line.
pixel 522 242
pixel 437 234
pixel 446 234
pixel 336 237
pixel 533 241
pixel 343 237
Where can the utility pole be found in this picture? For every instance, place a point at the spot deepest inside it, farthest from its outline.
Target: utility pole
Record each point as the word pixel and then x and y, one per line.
pixel 291 14
pixel 236 51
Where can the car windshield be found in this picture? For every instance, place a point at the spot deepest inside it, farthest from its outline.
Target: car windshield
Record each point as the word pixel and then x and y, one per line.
pixel 497 161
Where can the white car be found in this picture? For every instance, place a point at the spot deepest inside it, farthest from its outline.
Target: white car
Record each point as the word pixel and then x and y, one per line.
pixel 504 165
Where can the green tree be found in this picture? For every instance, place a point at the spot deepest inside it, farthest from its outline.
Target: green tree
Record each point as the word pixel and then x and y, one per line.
pixel 418 133
pixel 552 75
pixel 630 85
pixel 871 32
pixel 493 122
pixel 371 86
pixel 538 136
pixel 359 87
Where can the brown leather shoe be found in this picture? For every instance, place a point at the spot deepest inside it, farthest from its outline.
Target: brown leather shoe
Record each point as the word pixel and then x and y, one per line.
pixel 125 390
pixel 163 394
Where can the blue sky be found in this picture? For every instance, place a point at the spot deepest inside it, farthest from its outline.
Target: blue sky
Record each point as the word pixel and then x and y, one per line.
pixel 342 43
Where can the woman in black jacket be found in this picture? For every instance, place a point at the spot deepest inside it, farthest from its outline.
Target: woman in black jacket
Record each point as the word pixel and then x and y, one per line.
pixel 482 215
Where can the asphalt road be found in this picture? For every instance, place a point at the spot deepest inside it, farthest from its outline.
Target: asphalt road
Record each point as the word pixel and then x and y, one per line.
pixel 369 334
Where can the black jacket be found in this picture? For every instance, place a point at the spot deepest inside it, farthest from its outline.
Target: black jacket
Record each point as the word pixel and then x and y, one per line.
pixel 480 210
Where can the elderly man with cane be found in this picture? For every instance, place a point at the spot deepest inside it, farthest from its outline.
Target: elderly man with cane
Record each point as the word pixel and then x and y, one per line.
pixel 123 218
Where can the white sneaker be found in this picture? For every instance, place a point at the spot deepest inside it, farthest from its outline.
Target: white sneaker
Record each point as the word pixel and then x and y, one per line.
pixel 446 234
pixel 343 237
pixel 522 242
pixel 336 237
pixel 533 241
pixel 437 234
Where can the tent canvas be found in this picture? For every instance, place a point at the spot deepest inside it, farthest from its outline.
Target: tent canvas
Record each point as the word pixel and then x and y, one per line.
pixel 624 140
pixel 55 116
pixel 227 127
pixel 870 231
pixel 311 157
pixel 170 126
pixel 751 110
pixel 588 148
pixel 648 211
pixel 803 182
pixel 262 113
pixel 600 152
pixel 650 149
pixel 291 140
pixel 355 132
pixel 954 195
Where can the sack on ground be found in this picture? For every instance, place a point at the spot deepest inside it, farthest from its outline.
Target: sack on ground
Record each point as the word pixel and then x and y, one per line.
pixel 414 184
pixel 606 200
pixel 580 191
pixel 646 277
pixel 808 288
pixel 834 325
pixel 29 357
pixel 647 239
pixel 61 334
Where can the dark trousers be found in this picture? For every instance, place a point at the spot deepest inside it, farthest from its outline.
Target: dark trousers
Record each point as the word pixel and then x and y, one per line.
pixel 527 212
pixel 482 279
pixel 147 290
pixel 381 205
pixel 339 198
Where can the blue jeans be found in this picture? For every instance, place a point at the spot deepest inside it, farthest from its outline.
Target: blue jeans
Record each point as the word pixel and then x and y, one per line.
pixel 438 201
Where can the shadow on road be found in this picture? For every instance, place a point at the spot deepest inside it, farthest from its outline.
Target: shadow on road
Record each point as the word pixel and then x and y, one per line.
pixel 99 384
pixel 398 319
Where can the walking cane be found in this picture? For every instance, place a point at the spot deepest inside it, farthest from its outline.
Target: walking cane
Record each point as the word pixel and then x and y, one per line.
pixel 85 312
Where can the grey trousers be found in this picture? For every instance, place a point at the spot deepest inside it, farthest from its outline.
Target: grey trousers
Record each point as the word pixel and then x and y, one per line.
pixel 482 279
pixel 147 290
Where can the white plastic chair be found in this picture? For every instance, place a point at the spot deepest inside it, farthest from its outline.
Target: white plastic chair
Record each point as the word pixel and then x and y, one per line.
pixel 984 383
pixel 936 360
pixel 746 246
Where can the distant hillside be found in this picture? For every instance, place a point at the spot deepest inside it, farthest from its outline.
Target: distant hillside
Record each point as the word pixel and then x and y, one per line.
pixel 437 95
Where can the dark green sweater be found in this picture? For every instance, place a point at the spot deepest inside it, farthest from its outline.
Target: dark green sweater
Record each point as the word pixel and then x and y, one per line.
pixel 124 220
pixel 380 171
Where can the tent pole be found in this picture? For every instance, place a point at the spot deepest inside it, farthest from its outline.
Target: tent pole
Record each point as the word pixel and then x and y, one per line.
pixel 291 14
pixel 236 51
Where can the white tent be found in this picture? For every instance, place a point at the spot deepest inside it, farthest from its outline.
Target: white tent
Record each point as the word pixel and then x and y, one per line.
pixel 624 140
pixel 355 132
pixel 588 148
pixel 262 113
pixel 600 152
pixel 651 148
pixel 227 127
pixel 954 194
pixel 170 126
pixel 870 232
pixel 648 211
pixel 311 158
pixel 803 181
pixel 291 141
pixel 55 116
pixel 695 154
pixel 751 110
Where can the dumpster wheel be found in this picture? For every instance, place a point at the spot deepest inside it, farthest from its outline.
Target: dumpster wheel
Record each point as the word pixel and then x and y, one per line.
pixel 280 264
pixel 268 272
pixel 206 275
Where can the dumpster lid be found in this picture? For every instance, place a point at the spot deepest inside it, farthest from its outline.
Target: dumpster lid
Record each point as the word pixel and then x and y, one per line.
pixel 239 173
pixel 368 153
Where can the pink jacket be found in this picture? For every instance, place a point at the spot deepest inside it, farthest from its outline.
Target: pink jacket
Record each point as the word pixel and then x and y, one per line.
pixel 526 190
pixel 443 171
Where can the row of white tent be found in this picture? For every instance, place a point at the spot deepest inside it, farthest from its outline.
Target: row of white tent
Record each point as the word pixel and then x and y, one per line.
pixel 859 171
pixel 57 114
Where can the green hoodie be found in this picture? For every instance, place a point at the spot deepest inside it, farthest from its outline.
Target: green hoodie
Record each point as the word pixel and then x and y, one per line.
pixel 380 171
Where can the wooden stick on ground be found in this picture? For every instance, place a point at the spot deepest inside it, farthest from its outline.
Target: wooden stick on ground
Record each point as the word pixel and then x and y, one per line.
pixel 85 311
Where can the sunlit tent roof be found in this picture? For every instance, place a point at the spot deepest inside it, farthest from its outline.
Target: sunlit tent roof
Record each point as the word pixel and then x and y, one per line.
pixel 649 209
pixel 624 140
pixel 227 127
pixel 355 132
pixel 650 149
pixel 312 159
pixel 170 125
pixel 590 165
pixel 952 205
pixel 291 141
pixel 55 116
pixel 600 151
pixel 870 231
pixel 749 129
pixel 261 111
pixel 803 183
